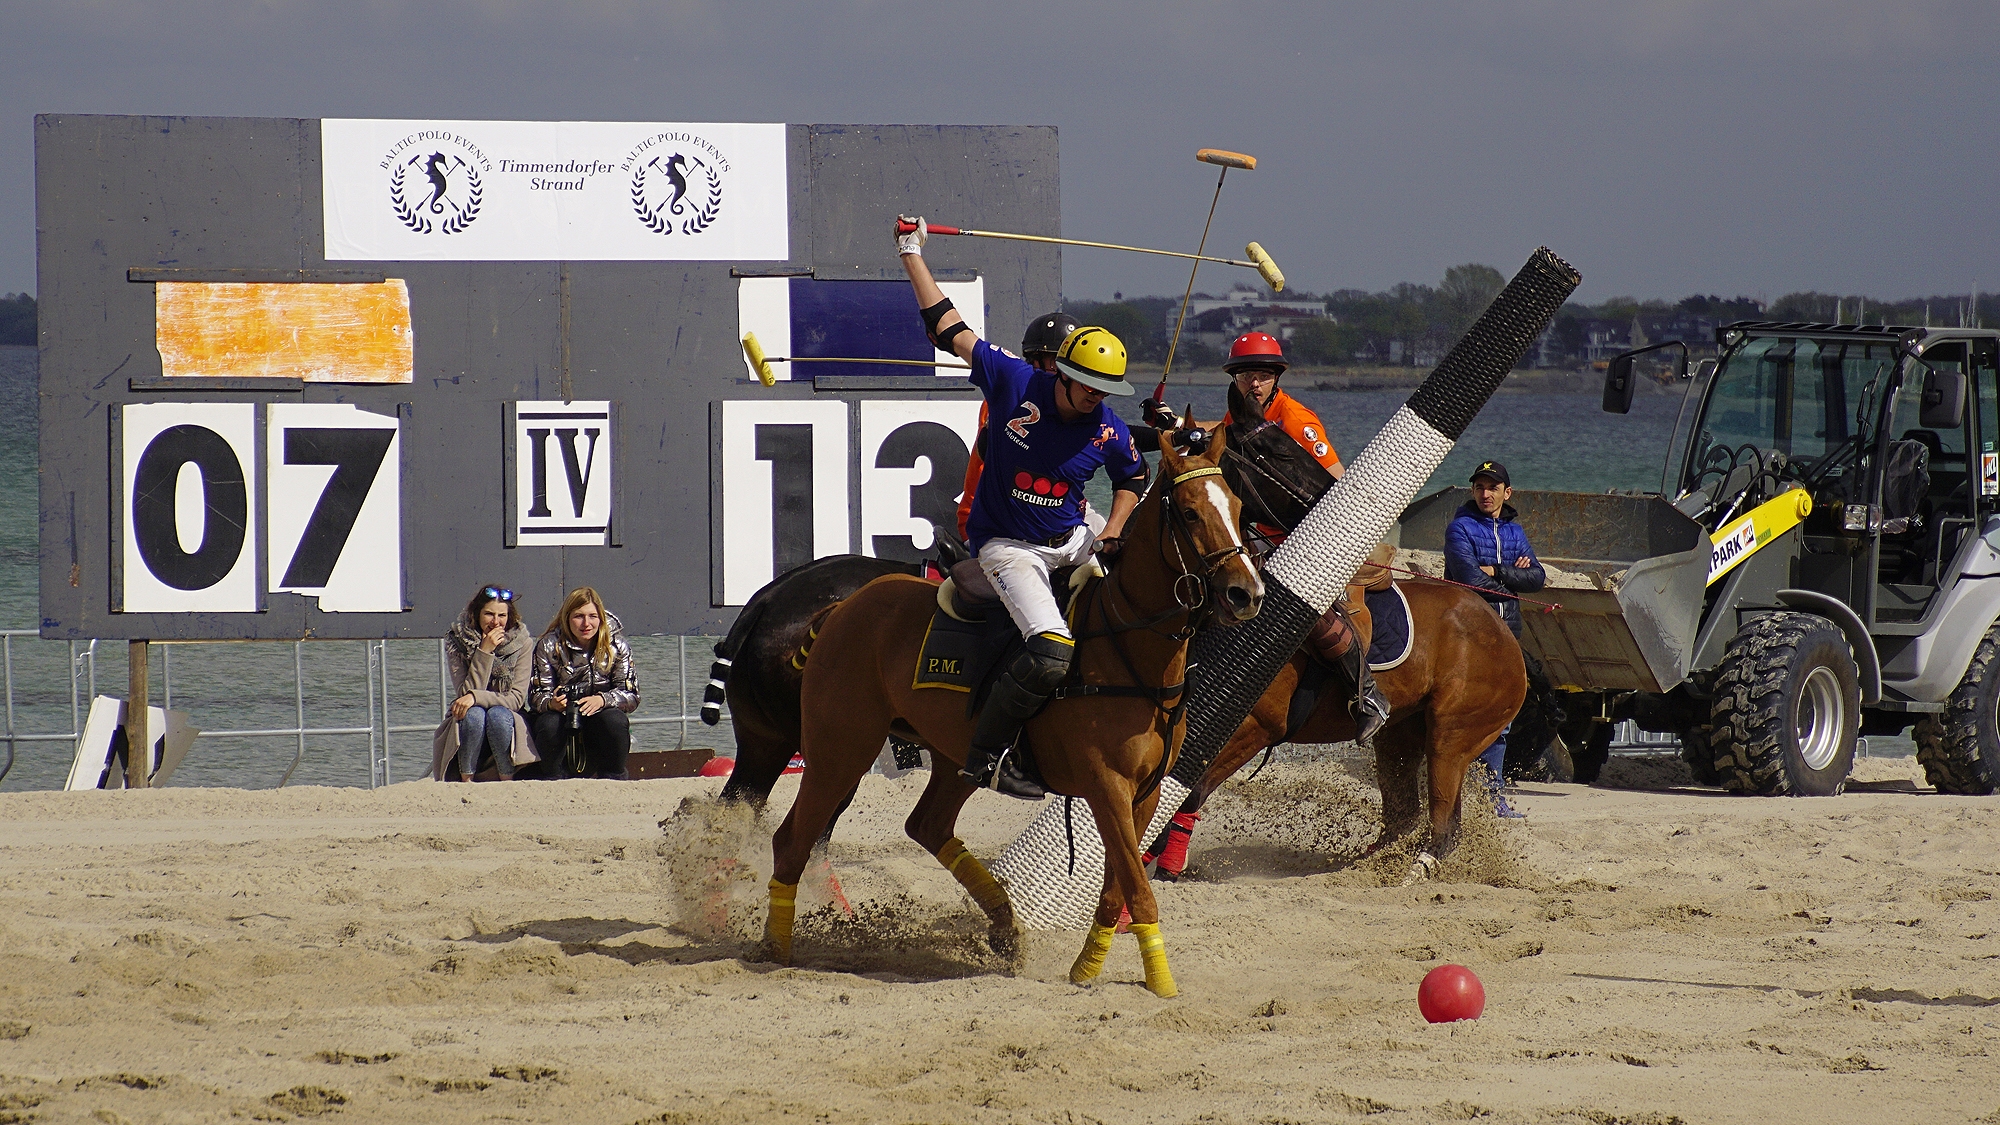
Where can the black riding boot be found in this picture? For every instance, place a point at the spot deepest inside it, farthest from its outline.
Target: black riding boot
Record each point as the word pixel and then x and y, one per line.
pixel 1017 695
pixel 1366 703
pixel 1007 710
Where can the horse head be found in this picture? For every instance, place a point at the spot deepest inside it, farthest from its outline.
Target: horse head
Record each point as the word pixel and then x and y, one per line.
pixel 1276 478
pixel 1200 509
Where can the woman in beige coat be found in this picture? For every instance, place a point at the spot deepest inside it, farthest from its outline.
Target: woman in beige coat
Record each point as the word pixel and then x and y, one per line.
pixel 487 655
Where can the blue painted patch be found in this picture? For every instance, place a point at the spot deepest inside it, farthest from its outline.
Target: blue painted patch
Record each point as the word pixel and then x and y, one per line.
pixel 873 319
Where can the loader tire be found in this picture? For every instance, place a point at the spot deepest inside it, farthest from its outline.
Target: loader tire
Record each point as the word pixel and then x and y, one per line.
pixel 1960 748
pixel 1787 708
pixel 1698 751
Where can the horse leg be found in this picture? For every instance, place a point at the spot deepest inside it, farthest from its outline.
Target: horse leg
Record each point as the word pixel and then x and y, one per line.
pixel 1399 756
pixel 1262 728
pixel 1125 885
pixel 932 824
pixel 838 758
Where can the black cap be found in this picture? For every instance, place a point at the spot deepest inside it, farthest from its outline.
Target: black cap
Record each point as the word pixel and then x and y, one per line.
pixel 1492 469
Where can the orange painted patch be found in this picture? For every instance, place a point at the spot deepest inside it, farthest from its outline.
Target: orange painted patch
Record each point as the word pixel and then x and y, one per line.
pixel 319 333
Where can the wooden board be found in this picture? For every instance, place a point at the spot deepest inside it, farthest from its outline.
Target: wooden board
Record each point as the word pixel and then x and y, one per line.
pixel 318 333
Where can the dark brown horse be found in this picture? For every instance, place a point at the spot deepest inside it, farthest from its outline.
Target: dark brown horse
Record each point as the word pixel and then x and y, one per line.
pixel 1183 556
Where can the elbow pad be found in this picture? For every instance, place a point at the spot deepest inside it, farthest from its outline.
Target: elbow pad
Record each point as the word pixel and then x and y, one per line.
pixel 933 315
pixel 1134 485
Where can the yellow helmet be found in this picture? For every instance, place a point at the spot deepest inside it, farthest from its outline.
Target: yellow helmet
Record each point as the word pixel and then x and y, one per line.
pixel 1094 357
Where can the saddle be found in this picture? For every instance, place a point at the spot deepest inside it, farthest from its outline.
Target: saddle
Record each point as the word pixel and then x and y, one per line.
pixel 1331 638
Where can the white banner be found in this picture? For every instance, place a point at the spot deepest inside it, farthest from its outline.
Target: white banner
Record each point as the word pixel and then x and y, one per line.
pixel 552 190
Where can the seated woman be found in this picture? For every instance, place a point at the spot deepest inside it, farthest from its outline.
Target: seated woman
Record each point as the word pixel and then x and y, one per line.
pixel 583 659
pixel 487 658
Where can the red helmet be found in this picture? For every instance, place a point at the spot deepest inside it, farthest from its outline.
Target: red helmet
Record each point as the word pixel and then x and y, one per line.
pixel 1256 349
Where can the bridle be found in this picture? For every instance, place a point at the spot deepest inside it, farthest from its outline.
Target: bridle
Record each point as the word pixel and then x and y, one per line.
pixel 1190 602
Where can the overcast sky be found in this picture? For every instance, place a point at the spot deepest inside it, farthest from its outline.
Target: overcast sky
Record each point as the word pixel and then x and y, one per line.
pixel 1665 148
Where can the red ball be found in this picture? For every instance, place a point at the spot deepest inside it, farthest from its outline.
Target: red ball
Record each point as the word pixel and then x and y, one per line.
pixel 1451 992
pixel 717 767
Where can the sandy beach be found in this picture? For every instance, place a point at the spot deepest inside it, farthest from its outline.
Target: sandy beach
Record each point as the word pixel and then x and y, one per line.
pixel 449 953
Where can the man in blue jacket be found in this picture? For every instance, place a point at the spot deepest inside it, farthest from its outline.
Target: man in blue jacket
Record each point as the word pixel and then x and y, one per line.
pixel 1485 549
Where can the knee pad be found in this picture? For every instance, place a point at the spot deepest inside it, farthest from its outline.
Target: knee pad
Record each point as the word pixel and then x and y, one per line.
pixel 1043 663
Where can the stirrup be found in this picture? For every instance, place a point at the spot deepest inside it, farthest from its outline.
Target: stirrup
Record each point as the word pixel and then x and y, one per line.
pixel 1370 713
pixel 1004 775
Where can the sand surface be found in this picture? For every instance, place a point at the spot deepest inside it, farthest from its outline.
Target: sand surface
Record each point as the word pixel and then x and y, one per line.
pixel 547 953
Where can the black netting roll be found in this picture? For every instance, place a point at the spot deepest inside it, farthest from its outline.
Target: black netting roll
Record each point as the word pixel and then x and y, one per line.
pixel 1232 667
pixel 1235 665
pixel 1461 384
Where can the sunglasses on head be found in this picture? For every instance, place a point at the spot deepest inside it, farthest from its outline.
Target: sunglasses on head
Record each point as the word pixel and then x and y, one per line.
pixel 496 594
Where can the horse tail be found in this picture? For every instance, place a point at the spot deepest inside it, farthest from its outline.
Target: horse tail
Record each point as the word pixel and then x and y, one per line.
pixel 713 696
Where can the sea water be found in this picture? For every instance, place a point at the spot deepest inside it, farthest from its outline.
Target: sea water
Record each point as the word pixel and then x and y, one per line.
pixel 1554 441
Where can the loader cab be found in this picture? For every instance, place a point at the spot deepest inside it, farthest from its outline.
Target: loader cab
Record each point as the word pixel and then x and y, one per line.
pixel 1894 431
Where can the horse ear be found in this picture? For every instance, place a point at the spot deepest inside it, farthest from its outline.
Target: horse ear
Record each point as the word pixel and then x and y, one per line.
pixel 1218 440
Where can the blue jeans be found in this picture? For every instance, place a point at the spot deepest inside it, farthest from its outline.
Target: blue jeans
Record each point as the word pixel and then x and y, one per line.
pixel 492 727
pixel 1495 759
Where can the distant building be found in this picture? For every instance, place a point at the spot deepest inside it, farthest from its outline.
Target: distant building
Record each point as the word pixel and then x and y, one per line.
pixel 1218 321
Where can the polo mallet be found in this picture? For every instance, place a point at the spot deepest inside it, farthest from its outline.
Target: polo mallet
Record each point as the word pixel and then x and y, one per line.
pixel 1259 260
pixel 1227 160
pixel 1301 580
pixel 761 363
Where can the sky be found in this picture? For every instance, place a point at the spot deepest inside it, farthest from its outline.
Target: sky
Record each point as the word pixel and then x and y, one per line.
pixel 1665 148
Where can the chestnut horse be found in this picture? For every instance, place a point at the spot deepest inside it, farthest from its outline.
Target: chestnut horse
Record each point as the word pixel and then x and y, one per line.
pixel 1459 687
pixel 1107 740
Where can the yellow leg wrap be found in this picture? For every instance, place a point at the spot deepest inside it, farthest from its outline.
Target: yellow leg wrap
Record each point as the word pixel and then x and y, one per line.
pixel 973 876
pixel 1153 952
pixel 778 923
pixel 1096 948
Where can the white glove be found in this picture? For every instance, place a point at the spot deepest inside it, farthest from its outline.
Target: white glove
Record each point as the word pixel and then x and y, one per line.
pixel 913 242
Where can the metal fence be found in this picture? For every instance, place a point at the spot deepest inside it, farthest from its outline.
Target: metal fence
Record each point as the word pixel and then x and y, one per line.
pixel 380 731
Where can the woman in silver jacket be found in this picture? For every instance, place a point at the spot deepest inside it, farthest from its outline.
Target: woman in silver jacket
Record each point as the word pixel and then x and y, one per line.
pixel 582 659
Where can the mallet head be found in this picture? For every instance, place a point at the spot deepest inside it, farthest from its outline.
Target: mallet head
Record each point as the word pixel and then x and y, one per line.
pixel 1266 267
pixel 755 353
pixel 1227 159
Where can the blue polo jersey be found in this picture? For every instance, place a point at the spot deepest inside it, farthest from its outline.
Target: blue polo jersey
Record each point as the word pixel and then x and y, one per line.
pixel 1032 485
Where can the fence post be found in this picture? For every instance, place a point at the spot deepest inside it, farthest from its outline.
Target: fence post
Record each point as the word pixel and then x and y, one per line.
pixel 138 746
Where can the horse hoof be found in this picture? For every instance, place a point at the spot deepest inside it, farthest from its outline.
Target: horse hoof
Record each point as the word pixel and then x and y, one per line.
pixel 771 953
pixel 1005 941
pixel 1421 871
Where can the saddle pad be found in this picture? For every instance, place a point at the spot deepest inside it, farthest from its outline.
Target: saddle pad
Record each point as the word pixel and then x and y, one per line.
pixel 952 656
pixel 1389 644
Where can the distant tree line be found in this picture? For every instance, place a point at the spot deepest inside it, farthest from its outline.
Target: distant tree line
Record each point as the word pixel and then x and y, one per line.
pixel 1415 324
pixel 17 319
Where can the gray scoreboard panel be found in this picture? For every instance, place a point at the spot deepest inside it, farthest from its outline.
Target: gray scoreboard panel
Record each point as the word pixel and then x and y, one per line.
pixel 176 507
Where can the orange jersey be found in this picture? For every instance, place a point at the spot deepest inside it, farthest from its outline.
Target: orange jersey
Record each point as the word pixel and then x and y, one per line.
pixel 974 464
pixel 1298 420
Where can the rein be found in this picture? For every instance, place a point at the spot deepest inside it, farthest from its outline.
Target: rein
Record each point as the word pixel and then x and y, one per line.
pixel 1255 463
